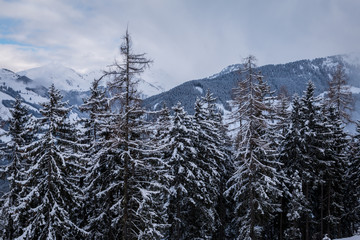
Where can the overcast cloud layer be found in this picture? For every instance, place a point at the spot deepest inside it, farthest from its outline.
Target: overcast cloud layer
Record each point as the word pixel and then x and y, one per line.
pixel 187 39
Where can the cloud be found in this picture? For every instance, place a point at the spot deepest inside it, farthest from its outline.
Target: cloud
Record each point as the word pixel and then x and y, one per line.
pixel 186 39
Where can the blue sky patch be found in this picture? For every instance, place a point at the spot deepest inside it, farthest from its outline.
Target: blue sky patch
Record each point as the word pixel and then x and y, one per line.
pixel 8 25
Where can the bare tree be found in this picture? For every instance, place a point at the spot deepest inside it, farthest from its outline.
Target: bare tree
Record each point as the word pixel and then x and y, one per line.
pixel 127 137
pixel 339 94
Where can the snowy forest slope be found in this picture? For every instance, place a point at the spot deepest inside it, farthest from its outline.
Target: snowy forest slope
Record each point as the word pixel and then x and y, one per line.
pixel 292 76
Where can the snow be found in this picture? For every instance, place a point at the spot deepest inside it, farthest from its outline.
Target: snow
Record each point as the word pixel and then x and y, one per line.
pixel 329 62
pixel 352 58
pixel 354 90
pixel 199 89
pixel 4 111
pixel 350 238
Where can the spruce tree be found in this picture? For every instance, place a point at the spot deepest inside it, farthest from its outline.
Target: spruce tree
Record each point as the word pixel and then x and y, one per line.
pixel 208 159
pixel 20 133
pixel 49 193
pixel 352 207
pixel 187 179
pixel 221 147
pixel 294 205
pixel 95 105
pixel 335 173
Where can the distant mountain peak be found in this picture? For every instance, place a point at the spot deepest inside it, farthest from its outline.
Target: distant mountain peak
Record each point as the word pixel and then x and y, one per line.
pixel 226 70
pixel 55 73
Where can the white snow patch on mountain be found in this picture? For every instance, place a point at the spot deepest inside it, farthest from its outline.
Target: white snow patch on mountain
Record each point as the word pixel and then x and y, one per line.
pixel 199 89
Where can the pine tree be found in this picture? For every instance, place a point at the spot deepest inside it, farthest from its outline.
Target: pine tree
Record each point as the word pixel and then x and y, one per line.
pixel 95 105
pixel 19 131
pixel 49 193
pixel 352 207
pixel 294 204
pixel 334 176
pixel 221 148
pixel 314 130
pixel 187 178
pixel 100 164
pixel 208 159
pixel 162 150
pixel 255 183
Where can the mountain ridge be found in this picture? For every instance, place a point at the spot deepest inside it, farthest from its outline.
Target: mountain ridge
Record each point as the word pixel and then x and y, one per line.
pixel 293 76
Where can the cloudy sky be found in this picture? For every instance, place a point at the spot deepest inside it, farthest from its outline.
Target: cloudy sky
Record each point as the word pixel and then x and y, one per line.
pixel 187 39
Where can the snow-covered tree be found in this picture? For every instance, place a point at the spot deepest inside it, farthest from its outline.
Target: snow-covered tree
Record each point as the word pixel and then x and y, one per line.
pixel 352 204
pixel 255 185
pixel 333 174
pixel 122 176
pixel 49 193
pixel 95 105
pixel 20 133
pixel 188 179
pixel 294 204
pixel 220 146
pixel 208 159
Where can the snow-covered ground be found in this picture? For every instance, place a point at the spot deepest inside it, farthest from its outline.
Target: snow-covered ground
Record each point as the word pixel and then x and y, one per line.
pixel 350 238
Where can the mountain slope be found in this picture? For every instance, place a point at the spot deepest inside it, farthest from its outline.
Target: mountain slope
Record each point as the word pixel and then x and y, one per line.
pixel 292 76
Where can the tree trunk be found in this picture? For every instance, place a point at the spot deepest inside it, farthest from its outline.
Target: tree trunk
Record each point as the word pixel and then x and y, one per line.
pixel 322 210
pixel 307 215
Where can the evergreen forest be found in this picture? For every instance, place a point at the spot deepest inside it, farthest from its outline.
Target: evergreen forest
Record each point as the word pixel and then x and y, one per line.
pixel 278 167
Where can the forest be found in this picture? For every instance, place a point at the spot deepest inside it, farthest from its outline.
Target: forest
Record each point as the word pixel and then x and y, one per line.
pixel 279 167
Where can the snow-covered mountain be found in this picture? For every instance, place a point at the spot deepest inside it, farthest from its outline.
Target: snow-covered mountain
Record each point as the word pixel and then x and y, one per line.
pixel 67 79
pixel 54 73
pixel 32 84
pixel 13 85
pixel 293 76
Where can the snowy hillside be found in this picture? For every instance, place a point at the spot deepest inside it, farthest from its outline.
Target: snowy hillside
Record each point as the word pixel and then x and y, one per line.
pixel 13 85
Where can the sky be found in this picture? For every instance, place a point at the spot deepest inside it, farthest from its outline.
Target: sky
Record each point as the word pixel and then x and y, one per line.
pixel 186 39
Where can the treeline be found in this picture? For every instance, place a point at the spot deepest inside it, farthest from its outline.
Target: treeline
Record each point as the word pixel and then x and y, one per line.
pixel 290 171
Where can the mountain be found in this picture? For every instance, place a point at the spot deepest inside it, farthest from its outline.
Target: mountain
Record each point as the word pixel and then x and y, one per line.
pixel 64 78
pixel 67 79
pixel 13 85
pixel 292 76
pixel 32 86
